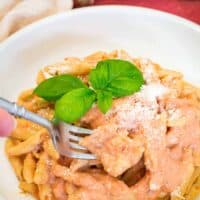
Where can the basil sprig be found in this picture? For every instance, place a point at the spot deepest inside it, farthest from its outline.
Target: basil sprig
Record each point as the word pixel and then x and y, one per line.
pixel 73 105
pixel 104 100
pixel 110 79
pixel 114 75
pixel 54 88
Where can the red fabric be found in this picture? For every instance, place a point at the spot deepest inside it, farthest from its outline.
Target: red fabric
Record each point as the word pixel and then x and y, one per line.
pixel 189 9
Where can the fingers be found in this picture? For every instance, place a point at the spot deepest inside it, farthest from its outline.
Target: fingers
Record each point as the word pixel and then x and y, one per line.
pixel 7 123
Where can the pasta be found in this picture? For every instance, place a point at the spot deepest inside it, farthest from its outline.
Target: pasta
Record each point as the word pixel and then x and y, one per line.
pixel 27 146
pixel 41 175
pixel 16 162
pixel 29 188
pixel 116 174
pixel 29 168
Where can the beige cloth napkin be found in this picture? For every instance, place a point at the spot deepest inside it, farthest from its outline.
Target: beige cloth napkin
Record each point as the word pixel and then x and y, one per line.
pixel 15 14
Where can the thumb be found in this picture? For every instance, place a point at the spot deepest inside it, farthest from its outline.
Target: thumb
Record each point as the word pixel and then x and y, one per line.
pixel 7 123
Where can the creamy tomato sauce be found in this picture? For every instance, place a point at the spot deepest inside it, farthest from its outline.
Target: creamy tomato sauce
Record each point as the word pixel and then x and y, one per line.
pixel 154 123
pixel 147 145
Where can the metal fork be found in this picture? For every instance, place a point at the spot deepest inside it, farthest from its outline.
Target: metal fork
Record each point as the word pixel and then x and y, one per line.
pixel 65 136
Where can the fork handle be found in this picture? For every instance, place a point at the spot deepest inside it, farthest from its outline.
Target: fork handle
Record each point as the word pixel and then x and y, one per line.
pixel 20 111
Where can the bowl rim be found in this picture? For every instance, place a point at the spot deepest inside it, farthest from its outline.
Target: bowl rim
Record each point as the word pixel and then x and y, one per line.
pixel 92 9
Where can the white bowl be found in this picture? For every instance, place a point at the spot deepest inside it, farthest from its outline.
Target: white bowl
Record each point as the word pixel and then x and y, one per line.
pixel 169 40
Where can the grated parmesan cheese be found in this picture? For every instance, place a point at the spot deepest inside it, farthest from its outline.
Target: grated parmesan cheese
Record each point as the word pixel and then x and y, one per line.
pixel 152 91
pixel 133 110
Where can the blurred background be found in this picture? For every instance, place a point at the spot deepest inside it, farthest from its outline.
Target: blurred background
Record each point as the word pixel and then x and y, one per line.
pixel 16 14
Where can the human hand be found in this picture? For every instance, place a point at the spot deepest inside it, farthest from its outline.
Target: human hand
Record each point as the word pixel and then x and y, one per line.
pixel 7 123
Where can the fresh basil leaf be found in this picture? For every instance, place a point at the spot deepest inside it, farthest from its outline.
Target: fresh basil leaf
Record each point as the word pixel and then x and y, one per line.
pixel 73 105
pixel 53 88
pixel 104 100
pixel 108 74
pixel 124 86
pixel 100 77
